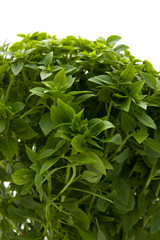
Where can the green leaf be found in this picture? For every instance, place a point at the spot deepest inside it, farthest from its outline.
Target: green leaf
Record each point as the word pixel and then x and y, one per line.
pixel 48 163
pixel 46 124
pixel 17 67
pixel 4 68
pixel 149 79
pixel 101 80
pixel 62 113
pixel 113 39
pixel 100 235
pixel 17 106
pixel 44 74
pixel 22 176
pixel 90 176
pixel 128 123
pixel 130 219
pixel 123 156
pixel 48 59
pixel 141 135
pixel 135 88
pixel 98 165
pixel 153 144
pixel 85 235
pixel 78 142
pixel 83 98
pixel 80 218
pixel 145 119
pixel 84 157
pixel 8 146
pixel 60 80
pixel 96 126
pixel 32 155
pixel 27 186
pixel 155 222
pixel 2 125
pixel 122 190
pixel 120 48
pixel 116 139
pixel 128 74
pixel 4 176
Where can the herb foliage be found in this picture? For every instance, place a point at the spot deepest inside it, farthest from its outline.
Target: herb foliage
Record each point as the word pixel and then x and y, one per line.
pixel 79 141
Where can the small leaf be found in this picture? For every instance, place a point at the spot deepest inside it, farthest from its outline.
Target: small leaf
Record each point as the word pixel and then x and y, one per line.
pixel 80 218
pixel 17 67
pixel 48 59
pixel 113 39
pixel 122 156
pixel 78 143
pixel 46 123
pixel 22 176
pixel 96 126
pixel 135 88
pixel 60 80
pixel 128 74
pixel 2 125
pixel 32 155
pixel 100 235
pixel 145 119
pixel 90 176
pixel 84 158
pixel 62 113
pixel 4 68
pixel 141 135
pixel 120 48
pixel 85 235
pixel 44 74
pixel 153 144
pixel 17 106
pixel 122 190
pixel 101 80
pixel 128 123
pixel 149 79
pixel 155 222
pixel 48 163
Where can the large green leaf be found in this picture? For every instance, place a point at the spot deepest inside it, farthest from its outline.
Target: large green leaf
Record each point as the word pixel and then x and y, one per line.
pixel 149 79
pixel 17 67
pixel 46 123
pixel 101 80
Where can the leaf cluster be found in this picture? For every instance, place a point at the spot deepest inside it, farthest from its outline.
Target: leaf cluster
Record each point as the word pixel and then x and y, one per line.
pixel 79 141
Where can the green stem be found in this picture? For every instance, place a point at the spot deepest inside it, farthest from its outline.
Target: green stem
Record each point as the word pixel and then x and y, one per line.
pixel 26 80
pixel 68 184
pixel 149 177
pixel 17 148
pixel 63 197
pixel 158 189
pixel 9 88
pixel 112 157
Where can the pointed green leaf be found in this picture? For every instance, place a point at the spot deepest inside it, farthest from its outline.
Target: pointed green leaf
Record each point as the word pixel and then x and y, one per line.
pixel 149 79
pixel 48 59
pixel 153 144
pixel 128 74
pixel 44 74
pixel 113 39
pixel 145 119
pixel 60 80
pixel 32 155
pixel 101 80
pixel 62 113
pixel 46 124
pixel 17 67
pixel 78 143
pixel 48 163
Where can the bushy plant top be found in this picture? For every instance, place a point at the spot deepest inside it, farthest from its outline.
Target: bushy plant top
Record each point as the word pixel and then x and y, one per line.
pixel 79 141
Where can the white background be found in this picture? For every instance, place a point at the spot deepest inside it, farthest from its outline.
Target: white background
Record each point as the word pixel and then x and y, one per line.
pixel 136 21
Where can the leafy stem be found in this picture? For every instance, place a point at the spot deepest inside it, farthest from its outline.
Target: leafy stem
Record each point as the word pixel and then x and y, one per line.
pixel 149 179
